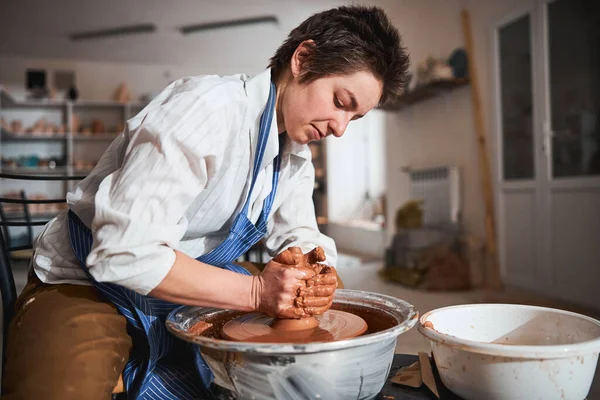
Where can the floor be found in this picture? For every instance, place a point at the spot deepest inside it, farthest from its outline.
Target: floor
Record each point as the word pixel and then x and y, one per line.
pixel 357 274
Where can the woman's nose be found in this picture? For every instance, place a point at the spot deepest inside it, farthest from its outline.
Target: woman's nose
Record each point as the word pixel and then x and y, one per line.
pixel 338 126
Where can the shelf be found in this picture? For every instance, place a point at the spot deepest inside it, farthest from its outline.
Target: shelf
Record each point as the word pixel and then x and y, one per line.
pixel 95 136
pixel 45 170
pixel 7 102
pixel 104 104
pixel 82 171
pixel 425 92
pixel 7 137
pixel 34 170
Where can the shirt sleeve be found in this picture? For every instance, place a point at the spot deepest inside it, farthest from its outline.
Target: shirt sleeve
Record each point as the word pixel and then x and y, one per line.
pixel 294 223
pixel 139 209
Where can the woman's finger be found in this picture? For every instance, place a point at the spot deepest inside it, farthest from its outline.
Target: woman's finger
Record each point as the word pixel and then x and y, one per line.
pixel 318 291
pixel 319 280
pixel 308 302
pixel 315 255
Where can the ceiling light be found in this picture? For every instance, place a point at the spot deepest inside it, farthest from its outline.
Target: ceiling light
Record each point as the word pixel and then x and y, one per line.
pixel 119 31
pixel 268 19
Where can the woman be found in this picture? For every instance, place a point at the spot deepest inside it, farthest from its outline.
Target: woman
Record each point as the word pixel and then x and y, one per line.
pixel 208 168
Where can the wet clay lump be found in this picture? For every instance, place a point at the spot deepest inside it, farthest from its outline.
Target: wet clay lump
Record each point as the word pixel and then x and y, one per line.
pixel 314 323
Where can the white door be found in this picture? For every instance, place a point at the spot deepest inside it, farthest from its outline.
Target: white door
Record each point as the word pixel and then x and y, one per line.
pixel 548 108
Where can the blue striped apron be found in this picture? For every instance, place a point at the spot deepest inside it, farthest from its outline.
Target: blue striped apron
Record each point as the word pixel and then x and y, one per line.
pixel 162 366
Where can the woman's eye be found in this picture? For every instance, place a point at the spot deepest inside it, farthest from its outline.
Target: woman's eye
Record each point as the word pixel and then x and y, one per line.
pixel 337 103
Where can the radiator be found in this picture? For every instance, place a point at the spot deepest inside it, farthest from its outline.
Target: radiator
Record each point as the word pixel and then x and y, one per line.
pixel 439 189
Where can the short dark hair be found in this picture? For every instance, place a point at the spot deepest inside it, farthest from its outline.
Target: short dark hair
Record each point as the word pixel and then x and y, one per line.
pixel 346 40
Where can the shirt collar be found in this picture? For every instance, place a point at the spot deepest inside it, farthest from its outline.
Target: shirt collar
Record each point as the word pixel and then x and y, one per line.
pixel 257 90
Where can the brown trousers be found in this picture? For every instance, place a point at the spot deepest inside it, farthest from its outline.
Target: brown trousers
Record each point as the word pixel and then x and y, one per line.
pixel 67 342
pixel 64 342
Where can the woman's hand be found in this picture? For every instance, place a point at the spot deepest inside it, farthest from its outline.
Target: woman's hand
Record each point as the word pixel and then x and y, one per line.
pixel 315 295
pixel 276 288
pixel 279 291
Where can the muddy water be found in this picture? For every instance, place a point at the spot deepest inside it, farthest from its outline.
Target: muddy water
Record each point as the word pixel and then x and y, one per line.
pixel 376 321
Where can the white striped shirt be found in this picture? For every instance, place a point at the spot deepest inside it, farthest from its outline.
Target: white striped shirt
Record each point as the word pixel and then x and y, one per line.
pixel 175 179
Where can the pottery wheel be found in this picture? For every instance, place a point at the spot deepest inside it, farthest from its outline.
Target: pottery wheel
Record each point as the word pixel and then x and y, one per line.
pixel 332 326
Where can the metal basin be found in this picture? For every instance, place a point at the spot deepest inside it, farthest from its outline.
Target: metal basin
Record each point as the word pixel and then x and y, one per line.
pixel 349 369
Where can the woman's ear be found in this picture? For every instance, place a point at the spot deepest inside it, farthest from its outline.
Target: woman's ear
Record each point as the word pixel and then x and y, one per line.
pixel 300 56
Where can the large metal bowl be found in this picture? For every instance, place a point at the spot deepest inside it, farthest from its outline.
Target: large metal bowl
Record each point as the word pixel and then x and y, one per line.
pixel 355 368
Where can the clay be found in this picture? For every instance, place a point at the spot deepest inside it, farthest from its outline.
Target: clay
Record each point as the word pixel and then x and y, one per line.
pixel 119 128
pixel 200 327
pixel 211 326
pixel 16 126
pixel 314 323
pixel 376 320
pixel 428 324
pixel 316 296
pixel 97 127
pixel 409 376
pixel 259 328
pixel 288 324
pixel 122 94
pixel 75 123
pixel 293 256
pixel 427 374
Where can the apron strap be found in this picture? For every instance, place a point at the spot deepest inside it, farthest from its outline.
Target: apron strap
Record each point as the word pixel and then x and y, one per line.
pixel 263 136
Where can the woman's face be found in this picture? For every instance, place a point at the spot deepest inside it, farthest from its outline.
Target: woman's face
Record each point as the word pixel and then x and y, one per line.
pixel 325 106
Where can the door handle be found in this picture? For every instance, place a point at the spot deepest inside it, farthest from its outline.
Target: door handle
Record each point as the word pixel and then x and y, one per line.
pixel 547 136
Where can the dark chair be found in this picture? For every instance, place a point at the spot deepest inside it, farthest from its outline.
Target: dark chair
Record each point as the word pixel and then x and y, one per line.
pixel 12 249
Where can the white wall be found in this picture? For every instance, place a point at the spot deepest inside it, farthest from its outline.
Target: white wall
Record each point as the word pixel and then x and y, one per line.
pixel 438 131
pixel 356 166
